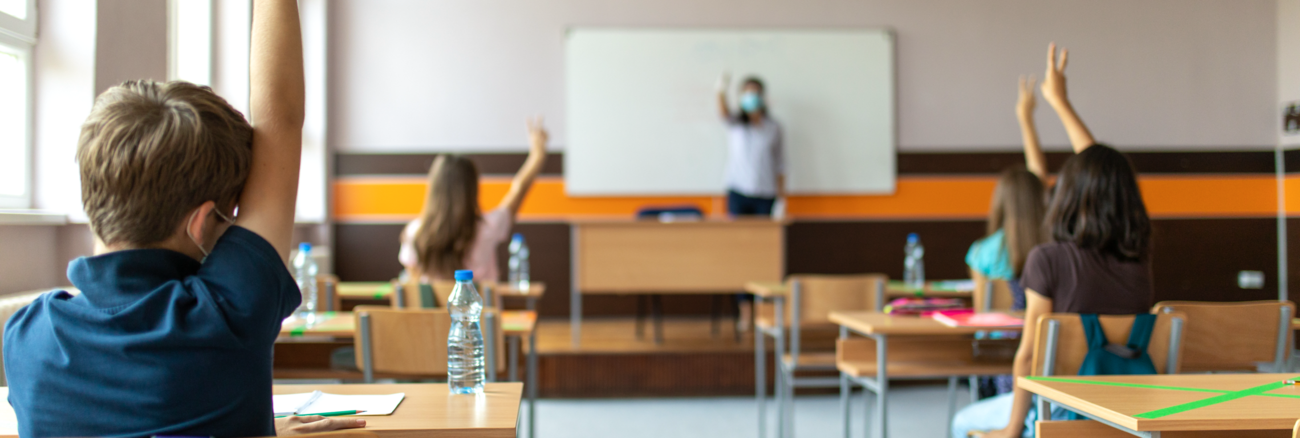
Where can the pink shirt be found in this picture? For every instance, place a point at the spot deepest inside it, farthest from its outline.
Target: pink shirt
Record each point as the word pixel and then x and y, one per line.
pixel 493 230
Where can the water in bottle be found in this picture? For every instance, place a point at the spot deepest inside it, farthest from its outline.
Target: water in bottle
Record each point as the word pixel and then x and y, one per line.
pixel 465 341
pixel 518 262
pixel 304 272
pixel 914 262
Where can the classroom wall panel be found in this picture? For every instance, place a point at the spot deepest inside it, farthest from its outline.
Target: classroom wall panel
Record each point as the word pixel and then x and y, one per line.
pixel 1170 74
pixel 1288 59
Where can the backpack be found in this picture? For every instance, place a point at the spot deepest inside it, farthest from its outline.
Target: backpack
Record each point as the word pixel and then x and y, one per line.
pixel 1105 358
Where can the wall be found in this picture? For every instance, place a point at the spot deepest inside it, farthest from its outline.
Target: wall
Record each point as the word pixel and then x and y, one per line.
pixel 1156 74
pixel 1288 59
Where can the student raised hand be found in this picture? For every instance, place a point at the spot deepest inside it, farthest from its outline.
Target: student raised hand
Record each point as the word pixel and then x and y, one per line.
pixel 1054 93
pixel 1027 101
pixel 295 425
pixel 1035 161
pixel 1054 79
pixel 537 136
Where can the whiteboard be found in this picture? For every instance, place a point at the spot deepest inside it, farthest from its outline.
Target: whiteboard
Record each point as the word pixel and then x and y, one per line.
pixel 643 118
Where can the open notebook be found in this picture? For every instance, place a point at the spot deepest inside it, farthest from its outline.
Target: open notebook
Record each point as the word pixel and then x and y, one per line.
pixel 316 402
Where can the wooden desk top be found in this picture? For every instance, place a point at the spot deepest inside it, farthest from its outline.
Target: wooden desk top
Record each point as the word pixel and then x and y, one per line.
pixel 343 325
pixel 382 290
pixel 767 289
pixel 373 290
pixel 428 407
pixel 1161 402
pixel 882 323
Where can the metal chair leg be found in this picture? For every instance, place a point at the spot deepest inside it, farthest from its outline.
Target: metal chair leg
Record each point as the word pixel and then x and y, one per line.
pixel 952 400
pixel 844 403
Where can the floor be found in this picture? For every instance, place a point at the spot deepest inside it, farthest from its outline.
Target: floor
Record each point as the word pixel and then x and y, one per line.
pixel 916 410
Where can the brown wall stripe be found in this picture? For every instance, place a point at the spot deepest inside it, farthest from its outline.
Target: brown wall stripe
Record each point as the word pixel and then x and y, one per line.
pixel 908 163
pixel 1193 259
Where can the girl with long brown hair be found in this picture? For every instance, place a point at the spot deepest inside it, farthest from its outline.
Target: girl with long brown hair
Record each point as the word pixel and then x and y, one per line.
pixel 452 232
pixel 1015 223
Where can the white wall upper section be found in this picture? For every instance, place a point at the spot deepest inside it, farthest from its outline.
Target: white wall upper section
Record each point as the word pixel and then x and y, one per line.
pixel 420 75
pixel 1288 59
pixel 65 90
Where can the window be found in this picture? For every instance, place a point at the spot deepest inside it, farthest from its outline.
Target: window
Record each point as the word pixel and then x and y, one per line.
pixel 17 36
pixel 189 41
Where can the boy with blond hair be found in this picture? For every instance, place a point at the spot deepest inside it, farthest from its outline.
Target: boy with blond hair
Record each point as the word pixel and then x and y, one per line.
pixel 181 303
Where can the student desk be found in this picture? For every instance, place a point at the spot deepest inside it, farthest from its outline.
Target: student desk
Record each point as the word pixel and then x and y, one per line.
pixel 893 289
pixel 383 291
pixel 427 409
pixel 880 327
pixel 1146 406
pixel 631 257
pixel 514 325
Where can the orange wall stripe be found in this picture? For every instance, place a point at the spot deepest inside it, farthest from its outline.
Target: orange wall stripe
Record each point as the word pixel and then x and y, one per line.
pixel 389 199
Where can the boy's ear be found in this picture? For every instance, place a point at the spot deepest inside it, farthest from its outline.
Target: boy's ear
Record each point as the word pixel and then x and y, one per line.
pixel 197 221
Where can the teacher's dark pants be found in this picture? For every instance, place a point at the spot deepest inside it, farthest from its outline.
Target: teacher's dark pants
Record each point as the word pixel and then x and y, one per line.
pixel 741 205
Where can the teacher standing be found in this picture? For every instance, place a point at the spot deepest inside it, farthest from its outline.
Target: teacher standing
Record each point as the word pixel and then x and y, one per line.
pixel 755 159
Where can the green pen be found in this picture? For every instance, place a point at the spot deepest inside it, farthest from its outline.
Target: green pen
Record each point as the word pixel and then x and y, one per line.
pixel 326 414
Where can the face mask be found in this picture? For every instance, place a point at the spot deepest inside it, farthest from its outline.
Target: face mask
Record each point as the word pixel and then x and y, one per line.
pixel 196 241
pixel 750 102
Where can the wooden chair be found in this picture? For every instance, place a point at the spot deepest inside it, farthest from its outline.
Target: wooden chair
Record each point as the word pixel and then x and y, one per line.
pixel 1061 344
pixel 1234 336
pixel 991 295
pixel 410 292
pixel 812 298
pixel 413 342
pixel 327 297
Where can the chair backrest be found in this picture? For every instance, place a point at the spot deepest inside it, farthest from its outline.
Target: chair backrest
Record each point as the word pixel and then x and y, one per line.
pixel 814 297
pixel 327 297
pixel 1233 336
pixel 992 295
pixel 1061 343
pixel 413 342
pixel 406 294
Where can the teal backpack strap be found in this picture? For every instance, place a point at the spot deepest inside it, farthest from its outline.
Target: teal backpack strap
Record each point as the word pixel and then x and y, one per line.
pixel 1092 330
pixel 1140 335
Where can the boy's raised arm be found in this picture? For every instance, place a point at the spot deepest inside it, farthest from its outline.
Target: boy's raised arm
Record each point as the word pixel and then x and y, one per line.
pixel 267 204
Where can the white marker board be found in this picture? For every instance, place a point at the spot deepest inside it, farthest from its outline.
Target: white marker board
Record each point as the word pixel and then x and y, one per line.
pixel 643 117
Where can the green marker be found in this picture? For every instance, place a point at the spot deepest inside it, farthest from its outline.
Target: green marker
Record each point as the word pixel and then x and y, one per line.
pixel 327 414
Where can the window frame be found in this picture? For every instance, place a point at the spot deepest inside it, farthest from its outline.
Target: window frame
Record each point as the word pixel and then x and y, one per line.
pixel 19 35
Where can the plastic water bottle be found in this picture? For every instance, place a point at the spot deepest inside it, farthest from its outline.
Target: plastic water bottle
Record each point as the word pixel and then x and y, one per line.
pixel 304 271
pixel 914 262
pixel 518 262
pixel 465 342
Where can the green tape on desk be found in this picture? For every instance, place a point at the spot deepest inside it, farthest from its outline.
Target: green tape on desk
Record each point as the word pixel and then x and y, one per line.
pixel 1258 390
pixel 297 332
pixel 1223 396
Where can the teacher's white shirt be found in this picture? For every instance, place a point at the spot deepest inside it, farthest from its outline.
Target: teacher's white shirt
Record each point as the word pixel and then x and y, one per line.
pixel 754 157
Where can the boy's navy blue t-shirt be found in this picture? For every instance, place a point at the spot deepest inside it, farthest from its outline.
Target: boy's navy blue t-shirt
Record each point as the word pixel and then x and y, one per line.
pixel 156 343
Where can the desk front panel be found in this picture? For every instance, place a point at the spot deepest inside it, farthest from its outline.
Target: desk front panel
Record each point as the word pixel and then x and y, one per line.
pixel 698 257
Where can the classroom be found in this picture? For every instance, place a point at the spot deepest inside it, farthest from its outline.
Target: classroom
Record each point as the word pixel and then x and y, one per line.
pixel 688 218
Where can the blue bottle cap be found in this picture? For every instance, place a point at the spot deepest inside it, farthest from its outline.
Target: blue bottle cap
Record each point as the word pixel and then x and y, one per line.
pixel 517 236
pixel 304 247
pixel 464 275
pixel 912 237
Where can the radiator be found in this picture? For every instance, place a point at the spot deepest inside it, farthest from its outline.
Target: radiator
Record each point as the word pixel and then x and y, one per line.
pixel 10 304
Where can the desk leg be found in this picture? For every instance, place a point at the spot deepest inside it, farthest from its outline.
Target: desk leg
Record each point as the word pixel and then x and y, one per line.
pixel 882 381
pixel 532 383
pixel 952 400
pixel 513 357
pixel 778 354
pixel 575 294
pixel 844 390
pixel 760 380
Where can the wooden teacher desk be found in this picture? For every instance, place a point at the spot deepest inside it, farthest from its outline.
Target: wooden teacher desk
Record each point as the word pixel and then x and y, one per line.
pixel 630 257
pixel 428 409
pixel 1175 405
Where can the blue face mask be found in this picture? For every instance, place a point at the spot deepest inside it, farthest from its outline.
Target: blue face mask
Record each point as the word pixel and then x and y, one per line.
pixel 751 102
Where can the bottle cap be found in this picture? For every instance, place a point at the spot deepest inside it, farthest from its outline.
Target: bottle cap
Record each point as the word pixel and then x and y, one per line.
pixel 913 238
pixel 517 236
pixel 304 247
pixel 464 275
